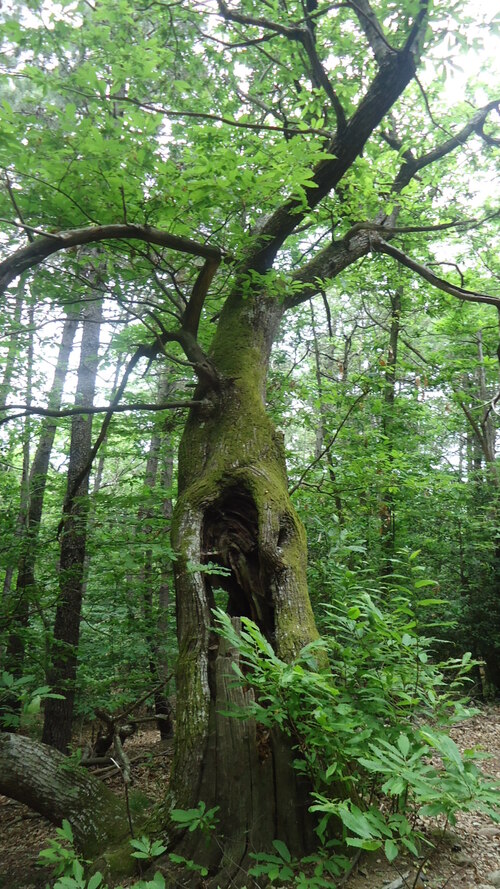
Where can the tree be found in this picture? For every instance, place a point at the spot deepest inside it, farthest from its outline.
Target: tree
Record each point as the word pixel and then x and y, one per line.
pixel 25 583
pixel 62 671
pixel 233 194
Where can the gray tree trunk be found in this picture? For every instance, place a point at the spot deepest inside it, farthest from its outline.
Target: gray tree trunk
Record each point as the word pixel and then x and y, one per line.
pixel 49 783
pixel 160 447
pixel 62 672
pixel 25 583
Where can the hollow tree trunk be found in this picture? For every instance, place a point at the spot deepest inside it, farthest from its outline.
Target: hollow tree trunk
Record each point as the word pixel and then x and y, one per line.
pixel 49 783
pixel 233 509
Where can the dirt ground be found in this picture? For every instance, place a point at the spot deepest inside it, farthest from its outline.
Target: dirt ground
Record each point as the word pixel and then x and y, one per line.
pixel 468 859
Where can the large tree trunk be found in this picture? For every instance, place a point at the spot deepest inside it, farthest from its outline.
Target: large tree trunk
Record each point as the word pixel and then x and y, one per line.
pixel 233 510
pixel 49 783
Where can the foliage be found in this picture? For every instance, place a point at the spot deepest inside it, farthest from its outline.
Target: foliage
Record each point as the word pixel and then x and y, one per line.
pixel 311 872
pixel 24 690
pixel 201 818
pixel 70 869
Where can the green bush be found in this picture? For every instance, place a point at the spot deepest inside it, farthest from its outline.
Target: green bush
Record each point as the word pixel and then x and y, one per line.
pixel 370 724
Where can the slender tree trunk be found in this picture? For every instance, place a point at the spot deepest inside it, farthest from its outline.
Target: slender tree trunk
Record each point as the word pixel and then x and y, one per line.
pixel 13 347
pixel 157 662
pixel 62 672
pixel 25 584
pixel 387 505
pixel 322 423
pixel 26 442
pixel 488 431
pixel 162 657
pixel 233 509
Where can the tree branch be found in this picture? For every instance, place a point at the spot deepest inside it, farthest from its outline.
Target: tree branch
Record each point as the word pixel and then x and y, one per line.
pixel 192 314
pixel 41 248
pixel 17 209
pixel 327 264
pixel 301 35
pixel 407 229
pixel 329 445
pixel 385 88
pixel 102 409
pixel 201 115
pixel 413 166
pixel 231 15
pixel 381 246
pixel 372 30
pixel 319 74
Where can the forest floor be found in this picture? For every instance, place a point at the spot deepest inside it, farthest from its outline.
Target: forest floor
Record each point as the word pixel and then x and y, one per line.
pixel 469 858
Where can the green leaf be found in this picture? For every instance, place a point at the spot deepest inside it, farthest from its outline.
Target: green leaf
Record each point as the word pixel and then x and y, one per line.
pixel 445 745
pixel 391 850
pixel 282 850
pixel 367 845
pixel 66 831
pixel 404 745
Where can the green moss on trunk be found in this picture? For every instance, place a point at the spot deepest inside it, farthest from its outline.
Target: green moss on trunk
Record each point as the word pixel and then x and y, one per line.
pixel 234 510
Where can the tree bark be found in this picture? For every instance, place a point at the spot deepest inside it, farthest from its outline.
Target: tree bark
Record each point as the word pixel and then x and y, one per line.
pixel 233 510
pixel 9 362
pixel 62 672
pixel 49 783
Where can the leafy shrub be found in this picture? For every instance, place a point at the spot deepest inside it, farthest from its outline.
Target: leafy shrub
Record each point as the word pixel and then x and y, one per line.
pixel 367 710
pixel 20 696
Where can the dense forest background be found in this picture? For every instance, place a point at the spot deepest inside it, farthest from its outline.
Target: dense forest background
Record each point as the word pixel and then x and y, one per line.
pixel 176 134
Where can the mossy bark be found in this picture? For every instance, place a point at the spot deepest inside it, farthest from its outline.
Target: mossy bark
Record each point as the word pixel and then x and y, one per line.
pixel 233 510
pixel 53 785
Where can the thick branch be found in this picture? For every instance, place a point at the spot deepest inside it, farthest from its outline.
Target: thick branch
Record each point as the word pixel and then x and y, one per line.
pixel 372 29
pixel 41 248
pixel 231 15
pixel 191 317
pixel 328 263
pixel 387 85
